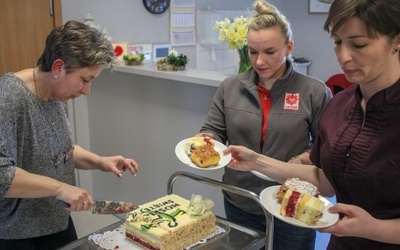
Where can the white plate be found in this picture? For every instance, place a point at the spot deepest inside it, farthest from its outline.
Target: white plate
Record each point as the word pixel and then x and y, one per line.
pixel 219 147
pixel 268 199
pixel 262 176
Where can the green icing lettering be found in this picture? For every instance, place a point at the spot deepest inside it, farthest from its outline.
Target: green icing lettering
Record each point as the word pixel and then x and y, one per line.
pixel 162 217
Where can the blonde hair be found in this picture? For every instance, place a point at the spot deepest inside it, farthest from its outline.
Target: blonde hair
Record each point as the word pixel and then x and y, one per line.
pixel 267 16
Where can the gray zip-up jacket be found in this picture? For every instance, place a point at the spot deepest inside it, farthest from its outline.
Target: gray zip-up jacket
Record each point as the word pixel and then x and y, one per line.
pixel 32 133
pixel 235 118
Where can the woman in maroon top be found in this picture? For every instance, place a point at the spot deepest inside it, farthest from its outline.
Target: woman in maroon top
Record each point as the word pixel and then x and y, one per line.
pixel 356 153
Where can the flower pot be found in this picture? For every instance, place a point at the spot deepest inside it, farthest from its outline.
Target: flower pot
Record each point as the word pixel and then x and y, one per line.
pixel 133 63
pixel 167 67
pixel 164 66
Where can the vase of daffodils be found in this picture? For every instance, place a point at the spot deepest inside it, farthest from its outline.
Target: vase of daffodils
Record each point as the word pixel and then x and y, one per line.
pixel 235 34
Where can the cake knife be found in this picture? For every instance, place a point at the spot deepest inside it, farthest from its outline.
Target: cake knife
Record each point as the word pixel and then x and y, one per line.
pixel 106 207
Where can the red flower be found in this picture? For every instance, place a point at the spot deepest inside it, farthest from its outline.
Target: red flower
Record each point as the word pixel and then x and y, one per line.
pixel 118 50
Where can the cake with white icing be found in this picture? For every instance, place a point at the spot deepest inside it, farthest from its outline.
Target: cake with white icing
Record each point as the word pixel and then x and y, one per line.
pixel 171 222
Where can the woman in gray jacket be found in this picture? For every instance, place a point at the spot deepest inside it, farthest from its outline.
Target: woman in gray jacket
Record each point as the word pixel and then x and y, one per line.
pixel 271 109
pixel 37 155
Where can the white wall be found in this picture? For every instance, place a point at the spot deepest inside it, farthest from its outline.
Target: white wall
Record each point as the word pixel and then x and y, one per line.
pixel 127 20
pixel 311 41
pixel 137 116
pixel 144 118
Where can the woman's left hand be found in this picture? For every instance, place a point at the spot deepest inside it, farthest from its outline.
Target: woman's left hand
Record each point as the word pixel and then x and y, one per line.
pixel 356 222
pixel 303 158
pixel 118 164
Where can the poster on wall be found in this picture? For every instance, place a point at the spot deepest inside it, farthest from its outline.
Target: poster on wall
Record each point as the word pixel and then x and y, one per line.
pixel 182 3
pixel 183 37
pixel 319 6
pixel 182 23
pixel 182 19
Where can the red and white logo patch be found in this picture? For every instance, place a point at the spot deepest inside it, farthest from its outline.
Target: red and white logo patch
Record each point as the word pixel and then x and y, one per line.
pixel 292 101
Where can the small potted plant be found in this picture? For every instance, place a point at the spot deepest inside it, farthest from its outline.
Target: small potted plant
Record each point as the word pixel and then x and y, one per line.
pixel 173 62
pixel 133 58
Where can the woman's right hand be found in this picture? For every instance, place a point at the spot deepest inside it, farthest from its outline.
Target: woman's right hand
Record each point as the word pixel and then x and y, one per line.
pixel 205 135
pixel 78 198
pixel 243 159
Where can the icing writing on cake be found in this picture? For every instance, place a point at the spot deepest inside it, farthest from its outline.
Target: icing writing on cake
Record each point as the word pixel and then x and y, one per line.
pixel 162 207
pixel 156 214
pixel 162 217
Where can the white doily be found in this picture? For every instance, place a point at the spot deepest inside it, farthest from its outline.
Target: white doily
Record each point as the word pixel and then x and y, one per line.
pixel 110 239
pixel 116 239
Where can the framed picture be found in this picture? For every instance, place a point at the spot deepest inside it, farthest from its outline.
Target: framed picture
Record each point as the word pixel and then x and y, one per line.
pixel 319 6
pixel 120 49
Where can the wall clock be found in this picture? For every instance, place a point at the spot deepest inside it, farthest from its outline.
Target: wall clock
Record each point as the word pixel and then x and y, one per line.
pixel 156 6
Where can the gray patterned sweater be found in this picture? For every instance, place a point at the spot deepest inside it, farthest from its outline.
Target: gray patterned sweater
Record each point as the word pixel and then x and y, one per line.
pixel 32 134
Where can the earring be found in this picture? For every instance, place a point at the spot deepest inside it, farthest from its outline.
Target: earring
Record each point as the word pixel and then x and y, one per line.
pixel 56 77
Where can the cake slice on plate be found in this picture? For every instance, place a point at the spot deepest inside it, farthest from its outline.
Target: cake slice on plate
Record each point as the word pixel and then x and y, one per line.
pixel 195 142
pixel 298 185
pixel 302 206
pixel 205 156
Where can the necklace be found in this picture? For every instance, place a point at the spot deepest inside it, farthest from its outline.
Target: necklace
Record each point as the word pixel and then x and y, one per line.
pixel 63 156
pixel 263 91
pixel 34 81
pixel 47 132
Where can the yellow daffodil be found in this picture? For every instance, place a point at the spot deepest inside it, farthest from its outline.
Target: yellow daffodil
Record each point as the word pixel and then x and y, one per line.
pixel 234 33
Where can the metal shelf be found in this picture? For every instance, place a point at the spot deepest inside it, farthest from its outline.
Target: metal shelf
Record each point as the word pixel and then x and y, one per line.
pixel 236 236
pixel 240 191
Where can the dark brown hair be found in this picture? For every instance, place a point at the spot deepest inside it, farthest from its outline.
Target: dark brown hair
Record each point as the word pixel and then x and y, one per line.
pixel 379 16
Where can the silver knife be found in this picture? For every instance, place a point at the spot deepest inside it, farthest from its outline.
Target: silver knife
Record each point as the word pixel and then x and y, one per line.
pixel 106 207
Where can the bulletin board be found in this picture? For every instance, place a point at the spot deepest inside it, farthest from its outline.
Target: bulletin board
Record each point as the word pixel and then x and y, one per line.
pixel 182 22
